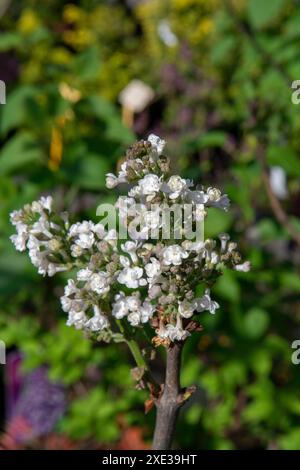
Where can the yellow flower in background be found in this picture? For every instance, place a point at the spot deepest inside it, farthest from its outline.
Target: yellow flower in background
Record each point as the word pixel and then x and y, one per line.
pixel 185 4
pixel 204 28
pixel 28 22
pixel 56 149
pixel 79 38
pixel 60 55
pixel 72 13
pixel 69 93
pixel 57 144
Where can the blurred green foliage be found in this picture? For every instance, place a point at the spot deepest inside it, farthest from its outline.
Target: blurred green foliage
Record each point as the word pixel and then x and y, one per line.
pixel 223 96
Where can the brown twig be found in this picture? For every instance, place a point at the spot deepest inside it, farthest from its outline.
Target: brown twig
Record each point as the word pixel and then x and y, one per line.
pixel 171 400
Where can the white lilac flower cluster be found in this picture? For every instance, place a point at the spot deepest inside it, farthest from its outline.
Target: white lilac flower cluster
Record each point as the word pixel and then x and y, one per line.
pixel 42 234
pixel 141 280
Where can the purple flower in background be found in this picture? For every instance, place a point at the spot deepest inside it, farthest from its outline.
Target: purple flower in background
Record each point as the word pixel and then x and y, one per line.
pixel 41 403
pixel 9 67
pixel 171 78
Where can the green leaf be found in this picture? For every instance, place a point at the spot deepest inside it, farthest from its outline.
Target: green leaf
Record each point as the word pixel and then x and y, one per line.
pixel 87 64
pixel 290 280
pixel 14 112
pixel 10 40
pixel 217 222
pixel 18 152
pixel 115 129
pixel 256 322
pixel 285 157
pixel 208 139
pixel 262 12
pixel 290 441
pixel 91 171
pixel 228 287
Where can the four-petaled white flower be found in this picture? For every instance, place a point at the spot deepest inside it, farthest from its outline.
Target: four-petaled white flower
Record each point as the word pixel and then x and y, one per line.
pixel 206 303
pixel 244 267
pixel 132 277
pixel 153 269
pixel 149 185
pixel 111 181
pixel 98 322
pixel 100 282
pixel 186 309
pixel 176 186
pixel 174 254
pixel 157 143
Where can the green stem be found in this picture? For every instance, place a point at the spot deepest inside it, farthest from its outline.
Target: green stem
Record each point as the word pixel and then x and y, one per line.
pixel 133 346
pixel 137 354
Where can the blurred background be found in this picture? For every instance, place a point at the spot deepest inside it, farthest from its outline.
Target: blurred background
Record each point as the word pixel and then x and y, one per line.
pixel 84 79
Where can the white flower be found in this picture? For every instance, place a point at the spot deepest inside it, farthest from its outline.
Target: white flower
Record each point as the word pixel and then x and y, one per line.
pixel 42 226
pixel 136 96
pixel 186 309
pixel 20 239
pixel 132 277
pixel 126 208
pixel 130 247
pixel 224 238
pixel 124 261
pixel 84 274
pixel 85 240
pixel 73 305
pixel 193 246
pixel 200 212
pixel 153 269
pixel 245 267
pixel 135 192
pixel 146 311
pixel 151 220
pixel 217 199
pixel 166 34
pixel 177 332
pixel 198 197
pixel 54 268
pixel 111 181
pixel 133 302
pixel 71 287
pixel 46 202
pixel 77 319
pixel 205 303
pixel 76 251
pixel 174 254
pixel 99 230
pixel 43 203
pixel 122 176
pixel 16 218
pixel 111 237
pixel 162 332
pixel 154 292
pixel 120 307
pixel 83 232
pixel 98 321
pixel 134 318
pixel 100 282
pixel 176 186
pixel 214 257
pixel 81 227
pixel 157 143
pixel 149 185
